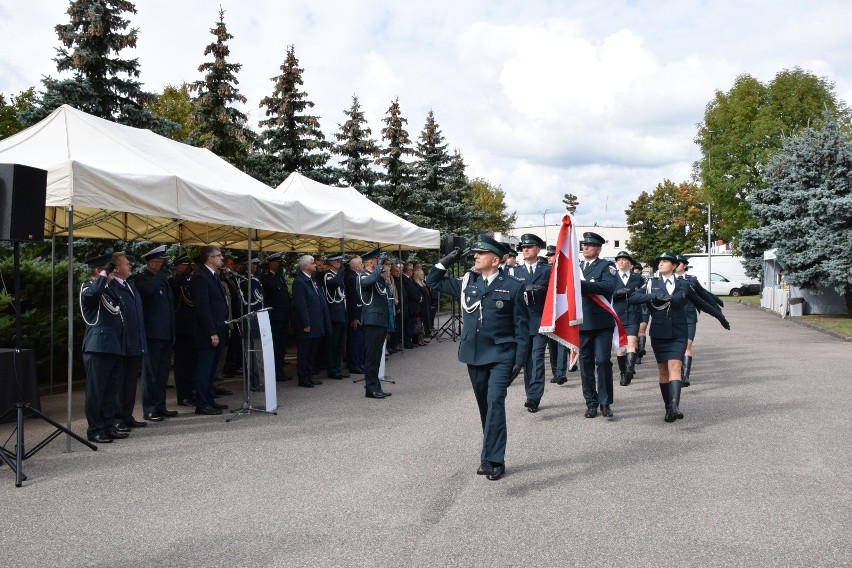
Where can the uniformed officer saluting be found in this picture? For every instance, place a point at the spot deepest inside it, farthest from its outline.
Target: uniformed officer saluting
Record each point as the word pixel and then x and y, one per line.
pixel 494 338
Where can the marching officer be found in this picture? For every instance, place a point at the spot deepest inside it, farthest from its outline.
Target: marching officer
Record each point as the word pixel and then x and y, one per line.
pixel 599 278
pixel 630 315
pixel 536 275
pixel 372 292
pixel 334 287
pixel 495 332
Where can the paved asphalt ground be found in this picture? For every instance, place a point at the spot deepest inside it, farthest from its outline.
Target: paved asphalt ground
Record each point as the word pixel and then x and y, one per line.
pixel 757 474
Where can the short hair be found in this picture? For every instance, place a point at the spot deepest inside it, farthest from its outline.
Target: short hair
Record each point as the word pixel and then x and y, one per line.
pixel 305 260
pixel 207 252
pixel 354 261
pixel 408 266
pixel 117 255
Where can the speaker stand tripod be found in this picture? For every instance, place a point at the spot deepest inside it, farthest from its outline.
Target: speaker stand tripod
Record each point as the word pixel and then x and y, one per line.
pixel 15 460
pixel 452 326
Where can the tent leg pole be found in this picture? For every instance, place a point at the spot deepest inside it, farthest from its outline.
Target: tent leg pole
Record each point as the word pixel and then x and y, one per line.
pixel 52 303
pixel 70 319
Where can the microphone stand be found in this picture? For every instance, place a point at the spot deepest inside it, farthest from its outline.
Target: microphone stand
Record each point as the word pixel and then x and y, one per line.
pixel 248 358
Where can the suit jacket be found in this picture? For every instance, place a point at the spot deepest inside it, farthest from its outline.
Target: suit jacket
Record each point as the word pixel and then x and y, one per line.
pixel 629 314
pixel 276 296
pixel 209 307
pixel 158 305
pixel 412 296
pixel 373 292
pixel 101 309
pixel 600 278
pixel 184 311
pixel 353 299
pixel 135 342
pixel 500 330
pixel 335 296
pixel 671 321
pixel 310 308
pixel 536 290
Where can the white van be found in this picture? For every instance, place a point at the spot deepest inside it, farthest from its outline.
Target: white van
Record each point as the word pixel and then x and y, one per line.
pixel 726 265
pixel 722 285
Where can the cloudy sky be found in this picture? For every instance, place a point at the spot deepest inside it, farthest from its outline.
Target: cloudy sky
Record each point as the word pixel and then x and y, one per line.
pixel 595 97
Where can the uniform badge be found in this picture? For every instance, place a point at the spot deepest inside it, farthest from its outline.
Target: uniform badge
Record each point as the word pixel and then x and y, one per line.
pixel 499 304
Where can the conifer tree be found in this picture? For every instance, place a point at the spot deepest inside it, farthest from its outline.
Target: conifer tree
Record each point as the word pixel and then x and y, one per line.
pixel 805 210
pixel 429 198
pixel 102 83
pixel 216 124
pixel 292 139
pixel 398 173
pixel 359 151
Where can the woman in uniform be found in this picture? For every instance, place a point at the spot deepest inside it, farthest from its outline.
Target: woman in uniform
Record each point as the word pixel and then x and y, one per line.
pixel 666 298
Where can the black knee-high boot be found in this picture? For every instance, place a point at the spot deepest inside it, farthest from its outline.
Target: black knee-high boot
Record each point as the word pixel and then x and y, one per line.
pixel 684 372
pixel 621 366
pixel 630 369
pixel 641 352
pixel 667 398
pixel 674 393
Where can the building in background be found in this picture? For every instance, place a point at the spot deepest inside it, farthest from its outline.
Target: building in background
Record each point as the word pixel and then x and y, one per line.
pixel 617 237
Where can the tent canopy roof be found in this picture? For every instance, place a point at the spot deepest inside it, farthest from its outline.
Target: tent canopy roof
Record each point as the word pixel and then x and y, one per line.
pixel 132 184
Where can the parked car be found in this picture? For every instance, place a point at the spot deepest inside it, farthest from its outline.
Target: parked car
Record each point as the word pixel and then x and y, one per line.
pixel 723 286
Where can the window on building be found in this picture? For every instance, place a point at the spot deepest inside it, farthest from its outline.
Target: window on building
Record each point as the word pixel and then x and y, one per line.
pixel 616 244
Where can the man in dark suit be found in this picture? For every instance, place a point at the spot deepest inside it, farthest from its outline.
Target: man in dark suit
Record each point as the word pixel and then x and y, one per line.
pixel 276 296
pixel 537 278
pixel 211 331
pixel 373 292
pixel 103 350
pixel 334 288
pixel 412 298
pixel 630 315
pixel 135 342
pixel 495 332
pixel 184 350
pixel 355 342
pixel 158 307
pixel 599 277
pixel 311 320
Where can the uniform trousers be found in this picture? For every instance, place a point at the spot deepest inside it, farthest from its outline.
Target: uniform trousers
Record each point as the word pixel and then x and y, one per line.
pixel 306 351
pixel 558 357
pixel 279 345
pixel 127 385
pixel 185 358
pixel 595 362
pixel 356 344
pixel 334 349
pixel 374 337
pixel 103 371
pixel 155 375
pixel 234 354
pixel 534 367
pixel 490 383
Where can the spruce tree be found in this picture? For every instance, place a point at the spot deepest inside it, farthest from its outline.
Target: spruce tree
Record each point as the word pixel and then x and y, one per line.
pixel 292 139
pixel 398 173
pixel 433 170
pixel 805 210
pixel 216 124
pixel 102 83
pixel 359 151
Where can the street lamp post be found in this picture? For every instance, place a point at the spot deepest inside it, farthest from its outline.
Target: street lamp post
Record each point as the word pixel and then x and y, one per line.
pixel 544 223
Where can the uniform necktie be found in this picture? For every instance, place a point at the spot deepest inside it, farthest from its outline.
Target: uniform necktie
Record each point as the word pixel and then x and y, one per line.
pixel 669 285
pixel 129 289
pixel 624 277
pixel 583 264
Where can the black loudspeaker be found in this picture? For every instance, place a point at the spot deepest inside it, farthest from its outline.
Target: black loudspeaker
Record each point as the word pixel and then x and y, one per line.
pixel 455 242
pixel 23 193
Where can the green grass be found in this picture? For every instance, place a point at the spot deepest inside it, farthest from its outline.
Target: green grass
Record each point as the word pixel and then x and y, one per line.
pixel 750 300
pixel 837 324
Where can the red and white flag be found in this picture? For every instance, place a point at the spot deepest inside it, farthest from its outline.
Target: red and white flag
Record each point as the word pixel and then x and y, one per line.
pixel 563 306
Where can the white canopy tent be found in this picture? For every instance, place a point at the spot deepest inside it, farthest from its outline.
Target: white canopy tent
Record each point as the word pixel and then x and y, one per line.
pixel 107 180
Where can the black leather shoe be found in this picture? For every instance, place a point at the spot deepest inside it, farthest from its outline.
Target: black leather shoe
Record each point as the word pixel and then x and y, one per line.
pixel 100 439
pixel 670 415
pixel 133 423
pixel 591 412
pixel 554 379
pixel 122 428
pixel 168 413
pixel 307 385
pixel 314 382
pixel 623 381
pixel 208 410
pixel 356 371
pixel 151 417
pixel 116 435
pixel 186 402
pixel 531 405
pixel 561 380
pixel 497 471
pixel 605 410
pixel 218 406
pixel 379 395
pixel 257 388
pixel 344 375
pixel 485 468
pixel 222 392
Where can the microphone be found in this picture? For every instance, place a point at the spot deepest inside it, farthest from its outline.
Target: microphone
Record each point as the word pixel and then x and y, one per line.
pixel 235 274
